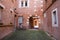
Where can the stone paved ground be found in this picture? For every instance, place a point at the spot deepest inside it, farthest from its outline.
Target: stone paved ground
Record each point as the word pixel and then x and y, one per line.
pixel 28 35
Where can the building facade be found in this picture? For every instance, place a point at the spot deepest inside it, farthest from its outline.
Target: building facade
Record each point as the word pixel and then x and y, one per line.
pixel 51 17
pixel 6 17
pixel 26 14
pixel 29 14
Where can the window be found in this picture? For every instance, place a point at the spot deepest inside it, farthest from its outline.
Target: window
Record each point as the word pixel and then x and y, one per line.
pixel 54 14
pixel 54 17
pixel 23 3
pixel 20 19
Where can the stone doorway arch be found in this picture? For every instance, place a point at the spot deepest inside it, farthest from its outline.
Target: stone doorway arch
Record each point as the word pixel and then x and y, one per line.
pixel 33 22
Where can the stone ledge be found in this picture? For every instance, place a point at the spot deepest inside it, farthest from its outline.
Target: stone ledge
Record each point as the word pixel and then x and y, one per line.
pixel 6 25
pixel 6 35
pixel 51 35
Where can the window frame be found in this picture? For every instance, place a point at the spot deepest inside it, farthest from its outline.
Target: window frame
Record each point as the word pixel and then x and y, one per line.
pixel 23 3
pixel 53 23
pixel 26 3
pixel 20 18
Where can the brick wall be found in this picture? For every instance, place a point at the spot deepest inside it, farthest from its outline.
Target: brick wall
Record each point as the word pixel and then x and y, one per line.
pixel 7 17
pixel 5 30
pixel 27 11
pixel 53 30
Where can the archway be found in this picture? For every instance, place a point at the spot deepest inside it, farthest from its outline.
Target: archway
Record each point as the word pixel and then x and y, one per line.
pixel 33 22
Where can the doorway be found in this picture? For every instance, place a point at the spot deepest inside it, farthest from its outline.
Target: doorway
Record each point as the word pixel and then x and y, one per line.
pixel 33 22
pixel 20 22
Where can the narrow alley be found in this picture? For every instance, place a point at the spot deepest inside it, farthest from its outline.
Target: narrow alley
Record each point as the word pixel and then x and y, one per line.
pixel 22 18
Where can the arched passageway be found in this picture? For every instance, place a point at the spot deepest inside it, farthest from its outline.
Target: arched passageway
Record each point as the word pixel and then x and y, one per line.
pixel 33 22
